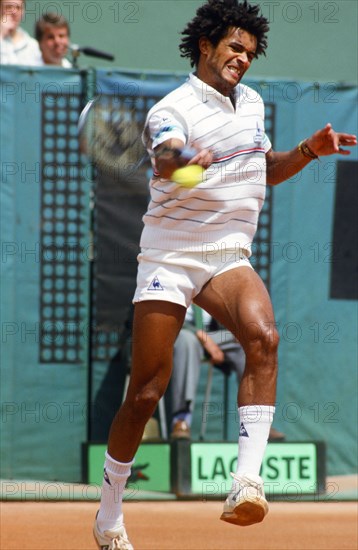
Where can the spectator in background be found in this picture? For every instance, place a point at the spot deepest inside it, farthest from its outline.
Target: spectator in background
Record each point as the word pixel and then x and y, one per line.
pixel 201 338
pixel 16 45
pixel 52 32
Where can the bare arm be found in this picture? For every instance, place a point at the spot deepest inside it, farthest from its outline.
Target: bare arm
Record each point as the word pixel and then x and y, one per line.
pixel 171 154
pixel 283 165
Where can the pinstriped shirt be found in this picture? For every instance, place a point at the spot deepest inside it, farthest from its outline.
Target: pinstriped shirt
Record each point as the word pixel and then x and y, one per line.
pixel 224 208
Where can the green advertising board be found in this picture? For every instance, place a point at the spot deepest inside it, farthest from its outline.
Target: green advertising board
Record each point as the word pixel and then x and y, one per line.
pixel 150 472
pixel 190 469
pixel 287 469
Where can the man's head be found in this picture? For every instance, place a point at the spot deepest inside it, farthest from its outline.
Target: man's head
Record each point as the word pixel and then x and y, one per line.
pixel 222 40
pixel 52 32
pixel 11 14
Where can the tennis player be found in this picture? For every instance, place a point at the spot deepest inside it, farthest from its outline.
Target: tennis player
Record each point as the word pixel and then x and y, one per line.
pixel 196 246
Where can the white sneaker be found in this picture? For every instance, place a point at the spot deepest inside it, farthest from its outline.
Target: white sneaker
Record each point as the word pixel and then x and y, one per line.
pixel 115 539
pixel 246 503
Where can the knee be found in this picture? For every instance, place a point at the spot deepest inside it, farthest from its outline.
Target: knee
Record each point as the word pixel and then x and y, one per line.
pixel 144 401
pixel 262 340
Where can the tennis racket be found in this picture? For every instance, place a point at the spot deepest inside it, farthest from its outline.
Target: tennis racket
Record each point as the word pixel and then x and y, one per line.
pixel 110 131
pixel 110 135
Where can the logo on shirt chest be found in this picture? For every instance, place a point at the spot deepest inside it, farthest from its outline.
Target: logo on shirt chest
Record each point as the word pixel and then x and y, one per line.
pixel 259 135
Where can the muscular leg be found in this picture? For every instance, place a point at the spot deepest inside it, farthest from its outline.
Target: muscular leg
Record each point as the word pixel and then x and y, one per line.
pixel 156 326
pixel 239 300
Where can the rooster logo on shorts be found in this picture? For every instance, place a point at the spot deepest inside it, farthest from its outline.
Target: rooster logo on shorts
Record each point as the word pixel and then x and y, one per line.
pixel 155 284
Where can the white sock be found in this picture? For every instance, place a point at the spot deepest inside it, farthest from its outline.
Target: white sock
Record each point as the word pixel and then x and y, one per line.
pixel 110 515
pixel 255 423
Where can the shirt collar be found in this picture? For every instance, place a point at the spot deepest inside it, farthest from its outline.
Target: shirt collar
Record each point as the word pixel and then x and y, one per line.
pixel 207 92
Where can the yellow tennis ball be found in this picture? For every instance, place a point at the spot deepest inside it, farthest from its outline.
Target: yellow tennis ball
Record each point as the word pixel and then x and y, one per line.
pixel 188 176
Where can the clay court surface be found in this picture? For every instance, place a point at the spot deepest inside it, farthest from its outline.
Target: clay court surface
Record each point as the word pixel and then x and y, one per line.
pixel 180 526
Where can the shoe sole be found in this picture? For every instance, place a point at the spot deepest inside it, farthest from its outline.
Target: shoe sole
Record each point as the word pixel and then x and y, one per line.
pixel 246 513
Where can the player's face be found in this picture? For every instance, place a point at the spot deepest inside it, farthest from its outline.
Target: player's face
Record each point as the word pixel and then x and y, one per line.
pixel 54 44
pixel 224 65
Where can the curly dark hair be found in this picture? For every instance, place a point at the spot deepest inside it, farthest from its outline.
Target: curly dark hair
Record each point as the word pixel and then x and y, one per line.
pixel 213 20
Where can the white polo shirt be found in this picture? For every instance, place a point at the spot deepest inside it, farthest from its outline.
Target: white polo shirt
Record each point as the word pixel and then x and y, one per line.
pixel 224 208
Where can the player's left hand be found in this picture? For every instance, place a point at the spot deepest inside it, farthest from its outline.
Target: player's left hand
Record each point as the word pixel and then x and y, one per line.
pixel 328 142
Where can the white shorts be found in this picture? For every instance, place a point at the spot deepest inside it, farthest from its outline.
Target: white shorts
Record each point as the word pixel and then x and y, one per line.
pixel 179 276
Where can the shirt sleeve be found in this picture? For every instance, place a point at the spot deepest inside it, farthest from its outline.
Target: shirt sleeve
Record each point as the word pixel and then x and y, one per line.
pixel 163 125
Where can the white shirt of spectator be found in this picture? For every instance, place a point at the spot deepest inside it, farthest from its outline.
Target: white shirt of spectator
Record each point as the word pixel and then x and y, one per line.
pixel 25 51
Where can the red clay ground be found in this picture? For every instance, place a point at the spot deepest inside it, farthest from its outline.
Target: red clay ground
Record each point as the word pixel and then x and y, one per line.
pixel 180 526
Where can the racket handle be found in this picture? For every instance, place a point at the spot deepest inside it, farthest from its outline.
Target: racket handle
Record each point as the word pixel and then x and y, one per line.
pixel 187 153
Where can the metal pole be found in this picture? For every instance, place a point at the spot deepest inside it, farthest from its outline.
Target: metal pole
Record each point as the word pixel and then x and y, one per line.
pixel 89 77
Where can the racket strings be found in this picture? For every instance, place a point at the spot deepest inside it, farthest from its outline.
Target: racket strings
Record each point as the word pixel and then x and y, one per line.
pixel 115 142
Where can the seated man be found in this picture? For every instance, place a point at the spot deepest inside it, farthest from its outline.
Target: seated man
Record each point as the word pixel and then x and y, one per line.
pixel 16 45
pixel 53 34
pixel 197 340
